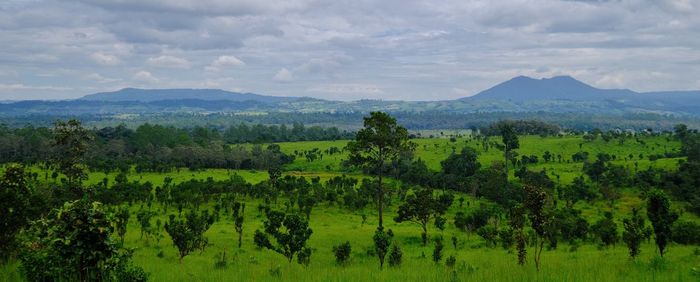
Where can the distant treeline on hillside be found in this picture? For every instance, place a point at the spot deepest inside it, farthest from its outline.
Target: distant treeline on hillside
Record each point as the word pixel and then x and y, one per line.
pixel 157 148
pixel 352 121
pixel 522 127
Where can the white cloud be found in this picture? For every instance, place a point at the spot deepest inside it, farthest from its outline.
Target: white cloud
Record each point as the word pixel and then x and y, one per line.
pixel 348 88
pixel 283 75
pixel 104 59
pixel 99 78
pixel 225 62
pixel 21 86
pixel 166 61
pixel 145 77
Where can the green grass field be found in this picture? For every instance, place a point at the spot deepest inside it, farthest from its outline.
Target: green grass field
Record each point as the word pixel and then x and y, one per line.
pixel 333 225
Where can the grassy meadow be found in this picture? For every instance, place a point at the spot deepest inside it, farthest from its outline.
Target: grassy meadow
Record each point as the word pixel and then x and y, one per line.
pixel 476 261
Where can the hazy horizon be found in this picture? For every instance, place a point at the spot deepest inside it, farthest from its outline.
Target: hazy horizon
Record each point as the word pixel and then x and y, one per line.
pixel 390 50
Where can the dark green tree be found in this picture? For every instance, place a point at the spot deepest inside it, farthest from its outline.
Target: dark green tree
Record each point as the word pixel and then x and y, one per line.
pixel 661 217
pixel 395 256
pixel 238 217
pixel 378 143
pixel 516 221
pixel 188 233
pixel 538 212
pixel 290 232
pixel 71 144
pixel 382 241
pixel 510 142
pixel 635 232
pixel 606 230
pixel 464 164
pixel 437 251
pixel 75 244
pixel 342 253
pixel 121 220
pixel 15 207
pixel 421 207
pixel 144 219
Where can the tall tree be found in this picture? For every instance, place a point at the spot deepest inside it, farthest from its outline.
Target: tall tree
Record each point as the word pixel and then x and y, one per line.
pixel 71 142
pixel 510 142
pixel 540 218
pixel 381 141
pixel 661 217
pixel 635 232
pixel 238 217
pixel 14 210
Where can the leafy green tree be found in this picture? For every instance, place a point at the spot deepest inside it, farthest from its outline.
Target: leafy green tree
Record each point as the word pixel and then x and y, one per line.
pixel 290 232
pixel 342 253
pixel 238 217
pixel 421 207
pixel 75 244
pixel 382 241
pixel 606 230
pixel 686 232
pixel 464 164
pixel 437 251
pixel 661 217
pixel 635 232
pixel 577 191
pixel 516 221
pixel 121 220
pixel 188 233
pixel 381 141
pixel 509 137
pixel 144 219
pixel 539 214
pixel 15 207
pixel 489 234
pixel 71 144
pixel 395 256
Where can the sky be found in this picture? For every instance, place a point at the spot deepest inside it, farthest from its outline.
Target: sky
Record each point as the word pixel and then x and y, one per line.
pixel 343 50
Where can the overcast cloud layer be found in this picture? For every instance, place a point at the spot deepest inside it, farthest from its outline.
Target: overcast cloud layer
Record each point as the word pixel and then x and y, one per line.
pixel 390 49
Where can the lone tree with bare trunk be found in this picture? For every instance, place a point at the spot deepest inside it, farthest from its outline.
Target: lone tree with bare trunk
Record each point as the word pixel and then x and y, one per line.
pixel 381 141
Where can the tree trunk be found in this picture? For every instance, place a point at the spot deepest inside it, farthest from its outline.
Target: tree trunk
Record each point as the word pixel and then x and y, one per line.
pixel 381 201
pixel 380 190
pixel 505 154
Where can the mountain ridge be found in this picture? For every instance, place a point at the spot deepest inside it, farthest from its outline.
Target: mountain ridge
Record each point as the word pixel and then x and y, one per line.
pixel 152 95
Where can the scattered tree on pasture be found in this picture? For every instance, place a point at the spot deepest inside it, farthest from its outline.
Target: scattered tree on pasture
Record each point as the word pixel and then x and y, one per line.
pixel 290 232
pixel 421 207
pixel 188 233
pixel 635 232
pixel 379 142
pixel 661 217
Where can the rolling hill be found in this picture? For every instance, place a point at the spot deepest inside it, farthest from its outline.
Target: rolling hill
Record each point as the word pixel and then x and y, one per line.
pixel 151 95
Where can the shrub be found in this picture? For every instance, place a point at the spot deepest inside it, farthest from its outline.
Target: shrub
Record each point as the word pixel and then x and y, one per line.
pixel 75 244
pixel 451 261
pixel 395 256
pixel 686 232
pixel 342 253
pixel 437 251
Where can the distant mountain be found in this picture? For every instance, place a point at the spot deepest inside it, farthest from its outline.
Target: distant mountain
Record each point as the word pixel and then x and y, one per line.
pixel 561 94
pixel 526 89
pixel 152 95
